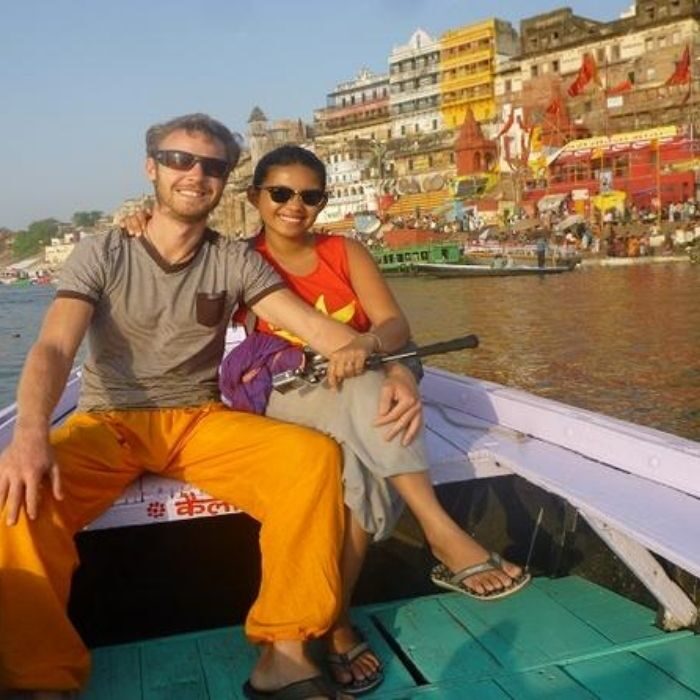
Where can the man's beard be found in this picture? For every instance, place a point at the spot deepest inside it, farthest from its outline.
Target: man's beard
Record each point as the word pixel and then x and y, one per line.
pixel 195 216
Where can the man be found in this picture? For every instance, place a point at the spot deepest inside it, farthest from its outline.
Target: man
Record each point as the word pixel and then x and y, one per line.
pixel 155 310
pixel 541 249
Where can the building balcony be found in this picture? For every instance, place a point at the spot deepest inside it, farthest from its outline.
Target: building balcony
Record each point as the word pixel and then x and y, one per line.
pixel 420 93
pixel 422 72
pixel 465 58
pixel 470 82
pixel 335 112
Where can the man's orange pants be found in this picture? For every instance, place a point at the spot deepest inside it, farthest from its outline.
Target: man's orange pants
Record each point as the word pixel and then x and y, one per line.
pixel 285 476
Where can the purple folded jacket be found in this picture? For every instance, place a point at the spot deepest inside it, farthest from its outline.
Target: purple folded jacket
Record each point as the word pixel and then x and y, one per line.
pixel 245 375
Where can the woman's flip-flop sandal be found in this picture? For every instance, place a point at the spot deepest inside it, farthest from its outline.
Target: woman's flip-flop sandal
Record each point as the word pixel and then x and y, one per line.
pixel 356 686
pixel 453 580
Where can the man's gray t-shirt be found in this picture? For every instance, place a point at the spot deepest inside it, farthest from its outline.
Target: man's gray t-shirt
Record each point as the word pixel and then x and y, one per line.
pixel 157 334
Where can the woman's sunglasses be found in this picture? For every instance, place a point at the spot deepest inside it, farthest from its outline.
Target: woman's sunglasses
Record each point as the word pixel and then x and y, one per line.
pixel 280 194
pixel 182 160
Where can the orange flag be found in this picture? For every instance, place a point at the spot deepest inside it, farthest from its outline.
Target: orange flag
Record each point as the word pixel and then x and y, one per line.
pixel 681 75
pixel 587 72
pixel 507 125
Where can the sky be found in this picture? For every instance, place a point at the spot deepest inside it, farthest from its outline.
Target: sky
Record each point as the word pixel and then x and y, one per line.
pixel 81 80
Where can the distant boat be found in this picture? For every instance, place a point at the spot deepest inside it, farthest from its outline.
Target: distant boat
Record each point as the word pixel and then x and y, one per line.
pixel 404 260
pixel 468 270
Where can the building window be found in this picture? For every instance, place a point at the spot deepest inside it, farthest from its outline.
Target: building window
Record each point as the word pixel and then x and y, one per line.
pixel 508 85
pixel 533 71
pixel 616 52
pixel 661 42
pixel 403 130
pixel 417 128
pixel 410 163
pixel 555 66
pixel 435 124
pixel 651 12
pixel 649 44
pixel 600 55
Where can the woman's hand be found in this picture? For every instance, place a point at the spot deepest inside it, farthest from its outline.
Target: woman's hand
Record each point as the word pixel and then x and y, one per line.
pixel 349 361
pixel 400 405
pixel 135 223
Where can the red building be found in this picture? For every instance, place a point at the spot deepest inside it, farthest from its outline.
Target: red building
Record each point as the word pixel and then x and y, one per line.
pixel 646 165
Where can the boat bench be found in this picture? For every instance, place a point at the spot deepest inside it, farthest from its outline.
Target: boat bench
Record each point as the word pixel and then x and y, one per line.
pixel 638 488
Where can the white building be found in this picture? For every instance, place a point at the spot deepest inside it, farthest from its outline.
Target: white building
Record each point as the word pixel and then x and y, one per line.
pixel 414 81
pixel 350 191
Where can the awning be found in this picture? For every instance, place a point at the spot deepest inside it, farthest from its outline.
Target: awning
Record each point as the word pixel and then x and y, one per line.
pixel 550 201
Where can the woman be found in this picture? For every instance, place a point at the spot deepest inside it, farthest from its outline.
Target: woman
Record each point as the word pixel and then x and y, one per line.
pixel 339 276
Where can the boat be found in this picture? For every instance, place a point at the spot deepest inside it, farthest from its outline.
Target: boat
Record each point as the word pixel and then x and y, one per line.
pixel 495 270
pixel 403 260
pixel 168 555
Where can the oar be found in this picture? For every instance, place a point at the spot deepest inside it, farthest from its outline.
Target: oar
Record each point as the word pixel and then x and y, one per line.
pixel 466 342
pixel 315 366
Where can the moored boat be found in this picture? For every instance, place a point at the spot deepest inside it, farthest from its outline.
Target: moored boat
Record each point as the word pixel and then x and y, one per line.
pixel 403 260
pixel 468 270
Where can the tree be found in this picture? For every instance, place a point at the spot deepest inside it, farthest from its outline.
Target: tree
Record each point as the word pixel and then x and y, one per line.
pixel 38 234
pixel 86 219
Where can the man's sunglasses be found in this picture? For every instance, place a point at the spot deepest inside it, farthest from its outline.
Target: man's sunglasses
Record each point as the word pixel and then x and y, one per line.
pixel 182 160
pixel 280 194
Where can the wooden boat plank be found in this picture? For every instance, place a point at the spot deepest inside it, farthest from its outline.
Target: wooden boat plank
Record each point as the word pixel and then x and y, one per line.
pixel 528 630
pixel 437 644
pixel 116 674
pixel 619 619
pixel 678 660
pixel 173 668
pixel 628 676
pixel 551 682
pixel 450 690
pixel 226 659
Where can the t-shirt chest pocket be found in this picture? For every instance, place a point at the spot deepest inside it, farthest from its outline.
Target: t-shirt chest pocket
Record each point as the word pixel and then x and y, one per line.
pixel 210 308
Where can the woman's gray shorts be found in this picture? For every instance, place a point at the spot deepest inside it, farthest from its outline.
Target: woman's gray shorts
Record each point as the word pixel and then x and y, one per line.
pixel 348 416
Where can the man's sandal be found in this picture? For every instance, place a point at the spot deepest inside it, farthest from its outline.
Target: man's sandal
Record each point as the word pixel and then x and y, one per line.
pixel 316 687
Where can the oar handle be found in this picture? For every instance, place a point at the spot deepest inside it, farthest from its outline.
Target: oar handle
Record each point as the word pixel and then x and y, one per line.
pixel 464 343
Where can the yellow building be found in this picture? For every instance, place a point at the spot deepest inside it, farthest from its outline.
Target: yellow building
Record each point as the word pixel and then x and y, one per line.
pixel 468 59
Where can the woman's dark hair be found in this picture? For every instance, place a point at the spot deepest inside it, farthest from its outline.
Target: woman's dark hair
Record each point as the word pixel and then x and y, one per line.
pixel 289 154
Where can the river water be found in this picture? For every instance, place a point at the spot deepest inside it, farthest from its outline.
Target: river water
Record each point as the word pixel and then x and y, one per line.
pixel 624 341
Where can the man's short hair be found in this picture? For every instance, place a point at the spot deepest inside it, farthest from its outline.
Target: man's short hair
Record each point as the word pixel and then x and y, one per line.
pixel 195 123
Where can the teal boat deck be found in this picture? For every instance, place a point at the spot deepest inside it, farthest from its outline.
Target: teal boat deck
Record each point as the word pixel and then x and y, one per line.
pixel 564 638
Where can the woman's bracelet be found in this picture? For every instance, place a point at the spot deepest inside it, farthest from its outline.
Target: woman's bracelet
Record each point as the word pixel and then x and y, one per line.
pixel 377 341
